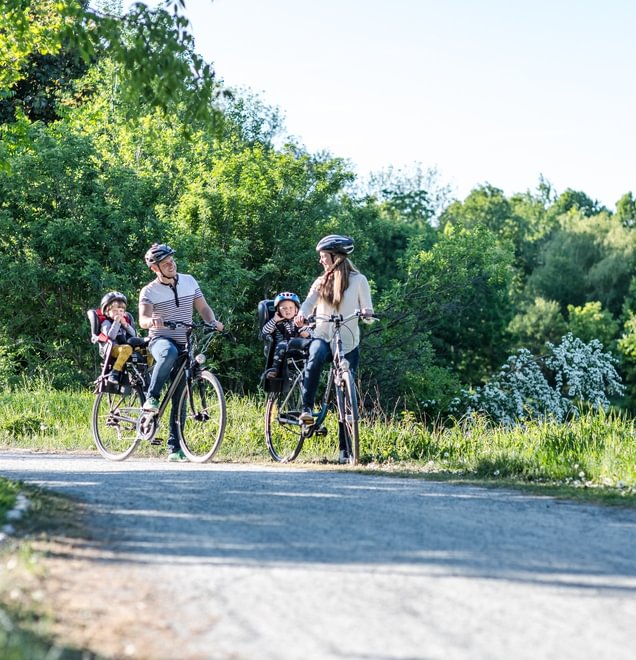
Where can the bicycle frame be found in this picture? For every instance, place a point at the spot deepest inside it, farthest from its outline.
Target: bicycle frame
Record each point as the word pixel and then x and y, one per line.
pixel 149 422
pixel 120 423
pixel 338 366
pixel 285 433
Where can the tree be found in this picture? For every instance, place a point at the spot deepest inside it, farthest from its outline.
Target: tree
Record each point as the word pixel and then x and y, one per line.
pixel 537 323
pixel 152 47
pixel 414 196
pixel 576 200
pixel 627 350
pixel 589 258
pixel 70 230
pixel 626 210
pixel 37 94
pixel 591 321
pixel 487 206
pixel 450 312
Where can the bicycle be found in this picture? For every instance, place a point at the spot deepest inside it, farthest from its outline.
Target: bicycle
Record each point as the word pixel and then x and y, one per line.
pixel 285 434
pixel 120 423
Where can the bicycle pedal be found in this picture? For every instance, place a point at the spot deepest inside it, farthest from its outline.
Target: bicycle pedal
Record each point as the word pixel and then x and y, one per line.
pixel 157 441
pixel 321 430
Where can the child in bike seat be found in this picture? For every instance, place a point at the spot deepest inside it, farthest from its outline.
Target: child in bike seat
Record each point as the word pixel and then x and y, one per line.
pixel 286 334
pixel 117 326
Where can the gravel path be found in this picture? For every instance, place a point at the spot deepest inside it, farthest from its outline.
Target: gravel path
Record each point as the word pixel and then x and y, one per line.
pixel 269 562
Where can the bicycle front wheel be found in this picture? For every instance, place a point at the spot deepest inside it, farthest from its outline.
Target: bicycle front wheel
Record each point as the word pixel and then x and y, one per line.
pixel 283 430
pixel 114 422
pixel 348 416
pixel 202 418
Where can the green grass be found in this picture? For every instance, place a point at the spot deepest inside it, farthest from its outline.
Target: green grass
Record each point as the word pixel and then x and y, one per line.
pixel 25 623
pixel 8 492
pixel 596 451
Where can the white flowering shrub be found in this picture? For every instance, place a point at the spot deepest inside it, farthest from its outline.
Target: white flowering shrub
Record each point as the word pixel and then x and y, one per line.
pixel 572 376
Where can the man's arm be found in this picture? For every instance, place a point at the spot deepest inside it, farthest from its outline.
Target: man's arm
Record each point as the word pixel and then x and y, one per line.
pixel 206 313
pixel 146 319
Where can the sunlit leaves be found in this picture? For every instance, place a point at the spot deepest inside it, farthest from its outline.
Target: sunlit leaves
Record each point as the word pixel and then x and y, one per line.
pixel 153 48
pixel 26 28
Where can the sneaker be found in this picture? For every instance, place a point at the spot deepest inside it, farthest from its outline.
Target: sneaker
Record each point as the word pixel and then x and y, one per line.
pixel 114 377
pixel 151 404
pixel 177 457
pixel 306 417
pixel 344 457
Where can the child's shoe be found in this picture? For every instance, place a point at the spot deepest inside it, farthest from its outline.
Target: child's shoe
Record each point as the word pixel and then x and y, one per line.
pixel 114 377
pixel 271 373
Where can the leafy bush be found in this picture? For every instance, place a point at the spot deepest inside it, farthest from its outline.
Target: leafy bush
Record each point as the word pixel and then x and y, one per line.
pixel 571 377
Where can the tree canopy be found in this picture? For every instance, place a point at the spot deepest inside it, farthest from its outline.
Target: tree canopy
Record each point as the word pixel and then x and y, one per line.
pixel 115 134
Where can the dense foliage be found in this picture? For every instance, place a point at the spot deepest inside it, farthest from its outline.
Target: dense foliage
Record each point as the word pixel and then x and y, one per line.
pixel 100 158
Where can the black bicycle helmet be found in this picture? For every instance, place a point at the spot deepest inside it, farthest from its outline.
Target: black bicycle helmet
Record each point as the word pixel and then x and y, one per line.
pixel 335 243
pixel 286 295
pixel 109 298
pixel 158 252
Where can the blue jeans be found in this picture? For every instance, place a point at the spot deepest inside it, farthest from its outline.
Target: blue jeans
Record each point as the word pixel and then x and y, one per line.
pixel 319 354
pixel 165 353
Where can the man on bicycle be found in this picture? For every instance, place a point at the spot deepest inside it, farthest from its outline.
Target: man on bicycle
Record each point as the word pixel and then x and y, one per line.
pixel 170 297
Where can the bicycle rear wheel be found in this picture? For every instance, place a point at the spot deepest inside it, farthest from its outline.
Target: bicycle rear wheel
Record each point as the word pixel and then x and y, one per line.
pixel 114 422
pixel 283 430
pixel 348 416
pixel 202 422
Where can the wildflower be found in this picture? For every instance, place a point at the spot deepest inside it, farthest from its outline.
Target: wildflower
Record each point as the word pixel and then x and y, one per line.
pixel 528 387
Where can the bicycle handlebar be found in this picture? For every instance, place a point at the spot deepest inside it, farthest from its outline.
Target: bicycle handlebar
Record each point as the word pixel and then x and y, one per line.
pixel 190 326
pixel 339 318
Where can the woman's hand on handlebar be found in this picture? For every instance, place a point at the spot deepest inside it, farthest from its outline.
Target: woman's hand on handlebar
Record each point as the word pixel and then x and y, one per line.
pixel 367 315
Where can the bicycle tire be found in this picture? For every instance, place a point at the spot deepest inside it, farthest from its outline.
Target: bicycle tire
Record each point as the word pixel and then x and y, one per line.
pixel 202 425
pixel 348 416
pixel 114 423
pixel 283 431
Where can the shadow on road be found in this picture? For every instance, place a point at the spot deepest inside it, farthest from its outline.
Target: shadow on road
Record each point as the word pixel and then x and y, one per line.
pixel 230 515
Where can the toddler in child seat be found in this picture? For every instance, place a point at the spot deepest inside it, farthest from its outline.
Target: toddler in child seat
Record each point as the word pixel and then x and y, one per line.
pixel 117 326
pixel 286 333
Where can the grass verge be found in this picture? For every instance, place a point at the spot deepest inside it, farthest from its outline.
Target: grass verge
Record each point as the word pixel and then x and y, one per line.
pixel 24 621
pixel 590 458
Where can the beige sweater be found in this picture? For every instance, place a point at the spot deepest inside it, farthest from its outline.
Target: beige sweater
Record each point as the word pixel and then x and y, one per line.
pixel 356 296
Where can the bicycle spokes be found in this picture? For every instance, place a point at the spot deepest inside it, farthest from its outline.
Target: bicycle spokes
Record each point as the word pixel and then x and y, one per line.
pixel 202 417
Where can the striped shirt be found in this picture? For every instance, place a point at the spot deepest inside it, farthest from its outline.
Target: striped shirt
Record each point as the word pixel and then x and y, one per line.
pixel 171 304
pixel 285 330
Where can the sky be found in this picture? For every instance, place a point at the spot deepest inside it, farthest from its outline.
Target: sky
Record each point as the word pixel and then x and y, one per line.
pixel 502 92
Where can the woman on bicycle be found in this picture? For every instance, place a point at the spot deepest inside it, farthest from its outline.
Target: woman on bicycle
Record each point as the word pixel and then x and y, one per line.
pixel 341 289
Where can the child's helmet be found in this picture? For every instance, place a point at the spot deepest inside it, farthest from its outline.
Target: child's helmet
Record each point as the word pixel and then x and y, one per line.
pixel 158 252
pixel 335 243
pixel 286 295
pixel 109 298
